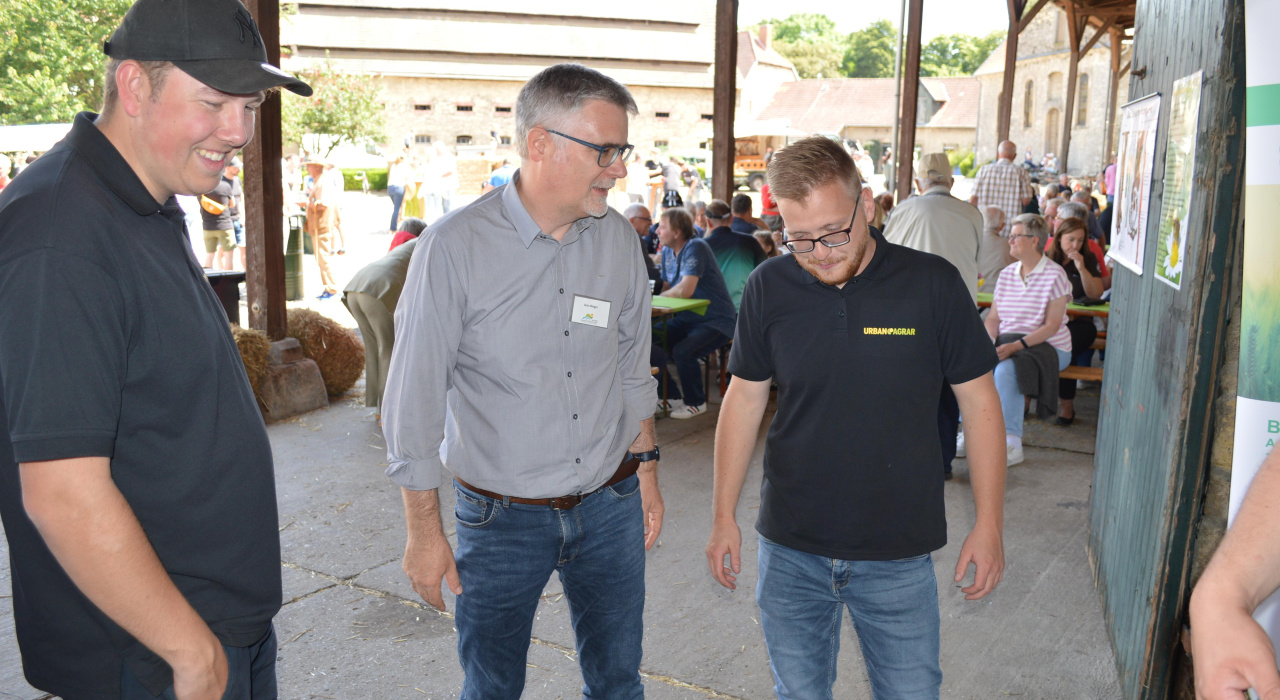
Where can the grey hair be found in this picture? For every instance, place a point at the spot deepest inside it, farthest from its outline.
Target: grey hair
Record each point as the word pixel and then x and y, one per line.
pixel 634 210
pixel 993 219
pixel 1068 210
pixel 555 94
pixel 1080 196
pixel 1034 225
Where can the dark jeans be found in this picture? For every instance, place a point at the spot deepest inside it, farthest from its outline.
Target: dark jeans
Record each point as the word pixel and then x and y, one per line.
pixel 948 425
pixel 1083 333
pixel 251 674
pixel 506 554
pixel 688 342
pixel 396 194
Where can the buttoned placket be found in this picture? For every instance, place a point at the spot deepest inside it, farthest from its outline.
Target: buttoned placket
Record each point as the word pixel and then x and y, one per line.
pixel 564 307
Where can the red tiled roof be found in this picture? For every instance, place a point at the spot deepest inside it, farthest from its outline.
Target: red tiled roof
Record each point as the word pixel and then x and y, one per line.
pixel 829 105
pixel 752 51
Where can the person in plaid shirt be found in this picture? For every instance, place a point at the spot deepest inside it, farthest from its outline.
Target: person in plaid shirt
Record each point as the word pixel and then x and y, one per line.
pixel 1003 184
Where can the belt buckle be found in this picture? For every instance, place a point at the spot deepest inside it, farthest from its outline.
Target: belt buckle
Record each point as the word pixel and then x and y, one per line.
pixel 566 502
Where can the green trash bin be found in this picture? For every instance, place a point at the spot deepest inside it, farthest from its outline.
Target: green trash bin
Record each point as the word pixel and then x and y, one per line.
pixel 293 260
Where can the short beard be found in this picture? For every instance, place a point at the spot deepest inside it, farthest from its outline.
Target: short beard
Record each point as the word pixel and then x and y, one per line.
pixel 844 273
pixel 600 207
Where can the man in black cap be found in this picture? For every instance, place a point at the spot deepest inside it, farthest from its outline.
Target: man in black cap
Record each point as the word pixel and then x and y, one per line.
pixel 136 482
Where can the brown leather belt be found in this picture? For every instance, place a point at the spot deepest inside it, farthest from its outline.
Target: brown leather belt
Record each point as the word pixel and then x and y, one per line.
pixel 625 470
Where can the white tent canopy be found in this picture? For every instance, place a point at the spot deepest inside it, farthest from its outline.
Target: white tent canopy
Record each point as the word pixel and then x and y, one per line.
pixel 35 138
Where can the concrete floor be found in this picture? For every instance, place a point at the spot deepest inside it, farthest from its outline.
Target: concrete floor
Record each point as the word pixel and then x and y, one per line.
pixel 351 628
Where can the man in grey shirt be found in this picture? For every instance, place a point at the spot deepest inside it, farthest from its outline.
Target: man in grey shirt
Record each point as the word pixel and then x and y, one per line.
pixel 522 343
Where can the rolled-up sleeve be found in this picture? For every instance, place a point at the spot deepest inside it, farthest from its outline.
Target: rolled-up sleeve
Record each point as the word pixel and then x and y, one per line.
pixel 428 328
pixel 639 388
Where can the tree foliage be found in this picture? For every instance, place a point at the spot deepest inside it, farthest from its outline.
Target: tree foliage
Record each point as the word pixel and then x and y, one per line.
pixel 870 52
pixel 346 107
pixel 51 60
pixel 957 54
pixel 812 44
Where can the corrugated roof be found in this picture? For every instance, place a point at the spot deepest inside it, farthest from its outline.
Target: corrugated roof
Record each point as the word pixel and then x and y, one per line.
pixel 829 105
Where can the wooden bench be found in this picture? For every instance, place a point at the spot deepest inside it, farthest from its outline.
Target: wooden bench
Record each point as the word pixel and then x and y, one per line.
pixel 1089 374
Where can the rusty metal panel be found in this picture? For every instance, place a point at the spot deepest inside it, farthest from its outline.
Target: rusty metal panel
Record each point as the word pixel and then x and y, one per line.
pixel 1162 350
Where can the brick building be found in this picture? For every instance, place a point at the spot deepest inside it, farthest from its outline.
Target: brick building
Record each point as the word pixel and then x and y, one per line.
pixel 1040 93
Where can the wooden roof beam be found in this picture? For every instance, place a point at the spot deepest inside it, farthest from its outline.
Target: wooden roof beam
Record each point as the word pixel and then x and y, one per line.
pixel 1084 49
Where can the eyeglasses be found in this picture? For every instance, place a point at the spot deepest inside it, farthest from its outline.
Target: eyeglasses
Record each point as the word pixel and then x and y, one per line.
pixel 607 154
pixel 834 239
pixel 1014 236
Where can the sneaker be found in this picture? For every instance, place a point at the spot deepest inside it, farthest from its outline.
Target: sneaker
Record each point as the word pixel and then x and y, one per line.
pixel 687 411
pixel 668 406
pixel 326 295
pixel 1012 455
pixel 959 444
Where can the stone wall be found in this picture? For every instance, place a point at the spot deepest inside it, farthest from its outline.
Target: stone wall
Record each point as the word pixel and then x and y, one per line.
pixel 426 110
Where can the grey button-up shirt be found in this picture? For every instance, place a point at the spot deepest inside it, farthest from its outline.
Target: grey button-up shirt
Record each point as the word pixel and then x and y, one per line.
pixel 539 405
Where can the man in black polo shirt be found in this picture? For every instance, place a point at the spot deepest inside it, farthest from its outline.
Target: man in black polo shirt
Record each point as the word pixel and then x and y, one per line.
pixel 136 481
pixel 859 335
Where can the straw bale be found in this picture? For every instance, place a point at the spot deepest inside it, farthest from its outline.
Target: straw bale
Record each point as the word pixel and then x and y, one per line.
pixel 254 352
pixel 336 350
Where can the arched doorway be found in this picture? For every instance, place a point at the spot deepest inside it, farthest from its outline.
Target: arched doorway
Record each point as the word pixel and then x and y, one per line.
pixel 1052 130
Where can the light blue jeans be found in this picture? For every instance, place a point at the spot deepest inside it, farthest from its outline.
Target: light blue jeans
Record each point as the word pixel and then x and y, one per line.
pixel 1012 401
pixel 894 607
pixel 506 554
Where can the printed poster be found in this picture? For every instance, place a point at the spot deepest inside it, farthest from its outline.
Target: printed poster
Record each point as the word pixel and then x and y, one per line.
pixel 1258 403
pixel 1179 182
pixel 1136 158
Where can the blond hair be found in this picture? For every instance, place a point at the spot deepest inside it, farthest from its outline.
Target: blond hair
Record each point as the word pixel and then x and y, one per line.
pixel 797 170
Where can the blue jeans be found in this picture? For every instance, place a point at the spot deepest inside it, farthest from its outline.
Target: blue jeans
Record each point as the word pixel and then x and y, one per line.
pixel 396 193
pixel 251 674
pixel 238 226
pixel 1012 401
pixel 506 553
pixel 688 342
pixel 894 607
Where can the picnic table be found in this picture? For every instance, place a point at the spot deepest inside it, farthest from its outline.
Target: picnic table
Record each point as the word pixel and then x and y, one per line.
pixel 666 306
pixel 1073 309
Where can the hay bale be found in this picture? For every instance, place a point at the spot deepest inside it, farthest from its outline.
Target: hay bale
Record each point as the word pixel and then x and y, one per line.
pixel 254 352
pixel 336 350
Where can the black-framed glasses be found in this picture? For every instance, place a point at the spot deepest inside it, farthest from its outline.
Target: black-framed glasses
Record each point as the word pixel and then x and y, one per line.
pixel 607 154
pixel 835 239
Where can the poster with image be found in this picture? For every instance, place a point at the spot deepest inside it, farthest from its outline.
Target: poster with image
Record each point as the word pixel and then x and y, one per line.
pixel 1258 400
pixel 1179 180
pixel 1135 159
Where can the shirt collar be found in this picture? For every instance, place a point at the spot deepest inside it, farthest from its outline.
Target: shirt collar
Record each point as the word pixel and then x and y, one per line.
pixel 1044 260
pixel 938 189
pixel 526 228
pixel 1006 161
pixel 115 172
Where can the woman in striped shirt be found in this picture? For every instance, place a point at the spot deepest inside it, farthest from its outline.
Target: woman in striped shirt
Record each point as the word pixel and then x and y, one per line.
pixel 1031 299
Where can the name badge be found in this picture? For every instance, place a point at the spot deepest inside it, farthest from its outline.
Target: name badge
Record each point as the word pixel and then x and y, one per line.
pixel 590 312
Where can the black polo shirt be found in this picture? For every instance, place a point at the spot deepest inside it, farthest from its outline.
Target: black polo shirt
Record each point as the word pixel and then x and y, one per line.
pixel 113 345
pixel 851 459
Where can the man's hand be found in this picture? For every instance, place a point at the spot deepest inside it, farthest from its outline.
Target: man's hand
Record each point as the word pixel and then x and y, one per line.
pixel 1230 651
pixel 428 558
pixel 1007 350
pixel 202 679
pixel 984 548
pixel 651 502
pixel 726 539
pixel 426 563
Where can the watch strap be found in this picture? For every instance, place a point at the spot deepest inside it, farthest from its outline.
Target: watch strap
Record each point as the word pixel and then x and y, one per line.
pixel 650 456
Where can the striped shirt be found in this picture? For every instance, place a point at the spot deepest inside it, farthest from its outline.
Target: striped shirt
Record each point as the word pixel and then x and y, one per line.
pixel 1003 184
pixel 1021 304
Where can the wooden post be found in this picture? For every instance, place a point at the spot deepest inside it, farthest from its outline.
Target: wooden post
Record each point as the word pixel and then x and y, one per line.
pixel 1075 28
pixel 264 197
pixel 726 70
pixel 1010 67
pixel 1108 139
pixel 910 95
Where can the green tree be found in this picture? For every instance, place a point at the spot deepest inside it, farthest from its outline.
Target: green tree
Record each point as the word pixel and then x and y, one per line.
pixel 346 107
pixel 870 51
pixel 51 60
pixel 811 42
pixel 957 54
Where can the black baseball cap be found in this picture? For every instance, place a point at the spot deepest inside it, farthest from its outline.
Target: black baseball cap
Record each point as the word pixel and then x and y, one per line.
pixel 214 41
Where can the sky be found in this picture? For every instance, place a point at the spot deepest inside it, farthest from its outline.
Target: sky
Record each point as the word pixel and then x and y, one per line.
pixel 977 17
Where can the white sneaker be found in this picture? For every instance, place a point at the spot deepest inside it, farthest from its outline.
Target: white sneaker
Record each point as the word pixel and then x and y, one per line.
pixel 668 406
pixel 688 411
pixel 959 444
pixel 1012 455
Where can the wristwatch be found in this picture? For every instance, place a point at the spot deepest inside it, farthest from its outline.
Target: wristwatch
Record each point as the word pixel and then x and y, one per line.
pixel 1024 343
pixel 650 456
